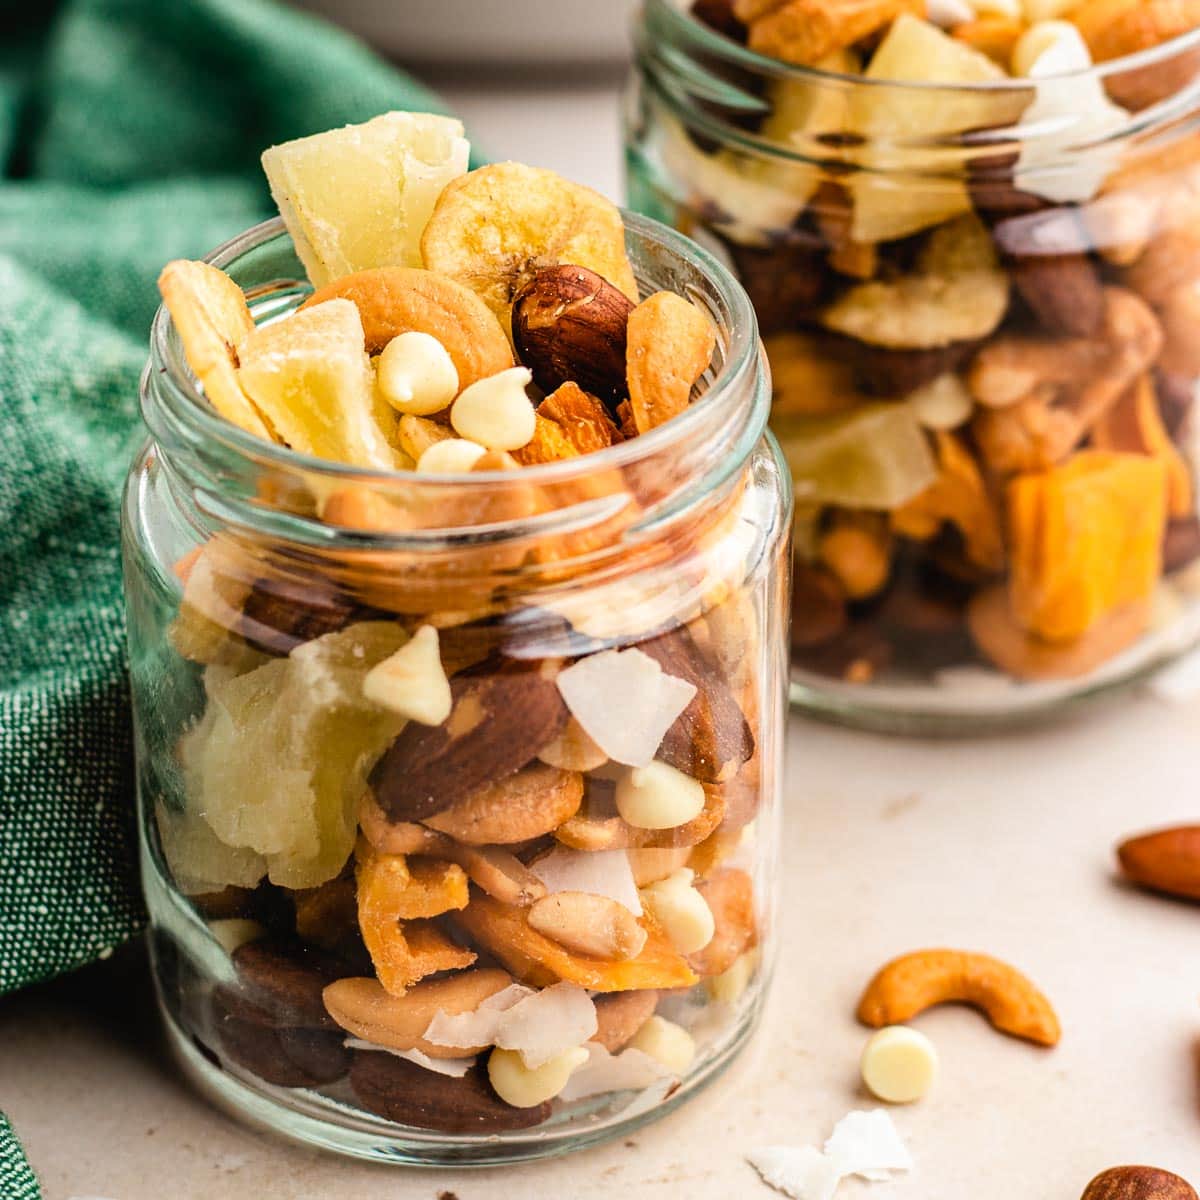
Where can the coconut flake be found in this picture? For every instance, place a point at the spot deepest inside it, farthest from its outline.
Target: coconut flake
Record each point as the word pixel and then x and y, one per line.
pixel 867 1144
pixel 480 1026
pixel 556 1019
pixel 456 1068
pixel 597 872
pixel 605 1072
pixel 625 702
pixel 799 1171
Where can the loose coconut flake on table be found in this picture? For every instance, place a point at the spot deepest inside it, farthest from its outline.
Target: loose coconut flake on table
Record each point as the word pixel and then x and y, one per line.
pixel 539 1025
pixel 597 872
pixel 865 1144
pixel 625 702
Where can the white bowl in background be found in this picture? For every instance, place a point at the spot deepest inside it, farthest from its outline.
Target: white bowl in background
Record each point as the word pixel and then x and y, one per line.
pixel 492 32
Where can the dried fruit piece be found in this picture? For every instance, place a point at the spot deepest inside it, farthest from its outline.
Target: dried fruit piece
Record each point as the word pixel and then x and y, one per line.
pixel 957 293
pixel 365 1009
pixel 992 34
pixel 729 894
pixel 497 725
pixel 670 344
pixel 1004 642
pixel 548 444
pixel 856 548
pixel 209 311
pixel 893 196
pixel 1135 425
pixel 532 957
pixel 583 419
pixel 596 926
pixel 360 196
pixel 517 808
pixel 1138 1183
pixel 1113 30
pixel 410 1095
pixel 803 31
pixel 396 300
pixel 391 887
pixel 1167 860
pixel 311 377
pixel 808 379
pixel 1086 539
pixel 914 982
pixel 403 953
pixel 960 496
pixel 569 324
pixel 499 225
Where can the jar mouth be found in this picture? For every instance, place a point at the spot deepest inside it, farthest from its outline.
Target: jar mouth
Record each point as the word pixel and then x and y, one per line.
pixel 710 41
pixel 727 306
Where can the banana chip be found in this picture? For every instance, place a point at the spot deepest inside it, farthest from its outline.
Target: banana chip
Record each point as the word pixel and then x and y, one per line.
pixel 495 227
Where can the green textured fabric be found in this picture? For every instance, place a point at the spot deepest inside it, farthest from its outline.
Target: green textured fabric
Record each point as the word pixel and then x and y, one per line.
pixel 130 132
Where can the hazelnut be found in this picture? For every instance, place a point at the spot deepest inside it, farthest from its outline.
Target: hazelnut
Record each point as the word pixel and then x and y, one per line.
pixel 569 325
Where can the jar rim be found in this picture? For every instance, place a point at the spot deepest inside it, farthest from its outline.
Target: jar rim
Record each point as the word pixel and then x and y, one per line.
pixel 737 337
pixel 714 41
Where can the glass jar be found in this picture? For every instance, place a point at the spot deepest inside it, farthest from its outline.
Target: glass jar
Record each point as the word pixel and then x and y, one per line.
pixel 981 306
pixel 324 880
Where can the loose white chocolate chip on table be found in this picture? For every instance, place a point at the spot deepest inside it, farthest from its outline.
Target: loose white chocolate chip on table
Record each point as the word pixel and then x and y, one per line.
pixel 416 375
pixel 412 682
pixel 666 1042
pixel 496 412
pixel 527 1087
pixel 899 1064
pixel 453 456
pixel 658 797
pixel 682 912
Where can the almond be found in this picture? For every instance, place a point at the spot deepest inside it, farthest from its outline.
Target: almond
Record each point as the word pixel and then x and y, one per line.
pixel 569 324
pixel 1165 861
pixel 497 724
pixel 1138 1183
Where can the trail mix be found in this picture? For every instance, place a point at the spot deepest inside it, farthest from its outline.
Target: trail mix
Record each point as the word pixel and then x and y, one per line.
pixel 471 858
pixel 984 354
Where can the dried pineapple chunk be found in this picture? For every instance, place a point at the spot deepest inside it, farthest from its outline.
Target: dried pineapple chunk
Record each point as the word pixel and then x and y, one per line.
pixel 280 758
pixel 897 194
pixel 310 374
pixel 360 196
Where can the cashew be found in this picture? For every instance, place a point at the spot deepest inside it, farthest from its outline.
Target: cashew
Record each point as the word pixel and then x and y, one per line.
pixel 587 924
pixel 914 982
pixel 363 1008
pixel 1040 399
pixel 526 805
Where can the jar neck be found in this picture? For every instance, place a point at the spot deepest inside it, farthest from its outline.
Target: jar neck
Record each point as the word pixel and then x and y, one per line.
pixel 722 94
pixel 583 515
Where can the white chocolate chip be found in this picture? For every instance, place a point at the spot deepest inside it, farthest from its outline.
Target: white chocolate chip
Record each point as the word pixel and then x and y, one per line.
pixel 412 682
pixel 416 375
pixel 665 1042
pixel 496 412
pixel 452 456
pixel 233 932
pixel 527 1087
pixel 945 14
pixel 1050 48
pixel 730 985
pixel 899 1064
pixel 658 797
pixel 681 911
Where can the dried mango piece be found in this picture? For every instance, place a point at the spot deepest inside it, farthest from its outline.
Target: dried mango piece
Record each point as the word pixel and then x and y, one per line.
pixel 1135 425
pixel 959 496
pixel 582 417
pixel 1086 538
pixel 210 313
pixel 393 901
pixel 504 931
pixel 802 31
pixel 548 444
pixel 993 34
pixel 670 343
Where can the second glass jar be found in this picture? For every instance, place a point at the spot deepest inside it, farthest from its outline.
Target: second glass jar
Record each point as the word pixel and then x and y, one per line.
pixel 981 305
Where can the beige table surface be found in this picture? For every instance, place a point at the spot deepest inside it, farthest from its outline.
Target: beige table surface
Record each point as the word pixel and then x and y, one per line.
pixel 1003 845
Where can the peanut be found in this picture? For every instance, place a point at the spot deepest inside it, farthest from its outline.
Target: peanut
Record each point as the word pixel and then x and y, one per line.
pixel 587 924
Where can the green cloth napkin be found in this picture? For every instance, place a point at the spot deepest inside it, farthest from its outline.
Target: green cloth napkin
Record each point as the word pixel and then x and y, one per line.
pixel 130 132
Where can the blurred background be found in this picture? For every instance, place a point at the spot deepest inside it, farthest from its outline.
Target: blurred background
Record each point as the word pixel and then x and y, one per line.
pixel 536 80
